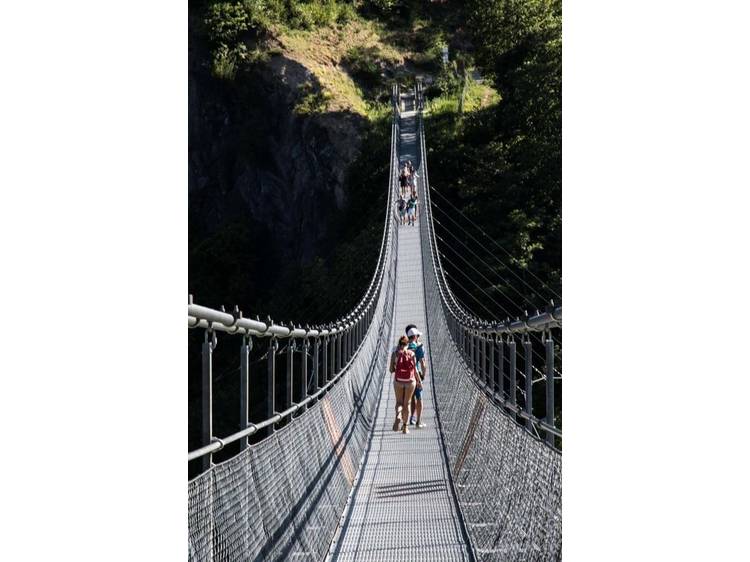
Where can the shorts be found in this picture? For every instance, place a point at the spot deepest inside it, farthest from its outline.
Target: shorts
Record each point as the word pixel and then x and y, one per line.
pixel 418 391
pixel 401 212
pixel 410 212
pixel 403 384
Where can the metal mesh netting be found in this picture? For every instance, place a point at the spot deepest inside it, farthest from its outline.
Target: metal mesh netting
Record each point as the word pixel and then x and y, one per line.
pixel 508 483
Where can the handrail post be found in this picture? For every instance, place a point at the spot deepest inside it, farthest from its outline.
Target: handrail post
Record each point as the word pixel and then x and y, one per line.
pixel 477 356
pixel 303 374
pixel 340 352
pixel 334 355
pixel 500 380
pixel 289 387
pixel 273 345
pixel 471 353
pixel 529 376
pixel 512 356
pixel 247 345
pixel 491 373
pixel 323 379
pixel 485 359
pixel 209 344
pixel 549 346
pixel 316 364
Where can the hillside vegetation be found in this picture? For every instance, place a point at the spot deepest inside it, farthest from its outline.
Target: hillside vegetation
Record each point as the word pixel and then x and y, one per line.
pixel 500 163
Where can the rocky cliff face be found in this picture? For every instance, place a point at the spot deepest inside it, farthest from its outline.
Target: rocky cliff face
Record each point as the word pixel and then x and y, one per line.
pixel 254 160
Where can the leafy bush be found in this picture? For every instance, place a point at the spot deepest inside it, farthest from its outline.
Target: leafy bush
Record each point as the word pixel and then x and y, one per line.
pixel 312 100
pixel 226 22
pixel 317 13
pixel 448 81
pixel 363 64
pixel 382 5
pixel 224 64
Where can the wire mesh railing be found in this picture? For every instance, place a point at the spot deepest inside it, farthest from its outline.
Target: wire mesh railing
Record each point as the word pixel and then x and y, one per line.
pixel 499 433
pixel 281 498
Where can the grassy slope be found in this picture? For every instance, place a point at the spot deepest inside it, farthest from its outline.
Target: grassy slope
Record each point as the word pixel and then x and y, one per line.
pixel 323 52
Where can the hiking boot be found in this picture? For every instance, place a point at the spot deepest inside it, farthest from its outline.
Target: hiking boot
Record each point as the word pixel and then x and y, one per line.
pixel 396 424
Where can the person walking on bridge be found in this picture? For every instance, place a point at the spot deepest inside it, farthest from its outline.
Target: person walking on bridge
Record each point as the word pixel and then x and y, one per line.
pixel 403 366
pixel 402 209
pixel 416 345
pixel 403 180
pixel 411 208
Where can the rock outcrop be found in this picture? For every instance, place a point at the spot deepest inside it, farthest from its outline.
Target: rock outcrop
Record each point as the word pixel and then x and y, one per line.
pixel 254 158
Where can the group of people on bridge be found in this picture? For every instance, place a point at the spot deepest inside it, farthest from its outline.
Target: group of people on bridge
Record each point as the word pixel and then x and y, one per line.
pixel 407 207
pixel 409 369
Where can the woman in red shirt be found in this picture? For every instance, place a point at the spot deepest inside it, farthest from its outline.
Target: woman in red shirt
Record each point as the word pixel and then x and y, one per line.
pixel 404 367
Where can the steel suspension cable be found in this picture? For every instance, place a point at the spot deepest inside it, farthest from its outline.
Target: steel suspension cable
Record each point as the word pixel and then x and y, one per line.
pixel 480 273
pixel 538 354
pixel 489 267
pixel 495 243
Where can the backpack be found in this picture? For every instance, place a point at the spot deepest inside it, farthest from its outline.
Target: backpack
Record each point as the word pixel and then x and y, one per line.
pixel 405 365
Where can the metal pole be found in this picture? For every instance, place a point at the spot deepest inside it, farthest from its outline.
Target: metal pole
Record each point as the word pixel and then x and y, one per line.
pixel 247 345
pixel 549 345
pixel 289 399
pixel 323 378
pixel 340 353
pixel 334 355
pixel 485 361
pixel 471 352
pixel 303 374
pixel 273 345
pixel 316 364
pixel 209 343
pixel 478 354
pixel 500 380
pixel 512 356
pixel 491 373
pixel 528 375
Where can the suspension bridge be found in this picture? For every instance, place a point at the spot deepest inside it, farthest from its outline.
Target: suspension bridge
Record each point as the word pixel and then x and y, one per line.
pixel 330 479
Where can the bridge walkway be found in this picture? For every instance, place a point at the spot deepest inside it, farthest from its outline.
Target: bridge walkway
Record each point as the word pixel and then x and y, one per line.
pixel 402 508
